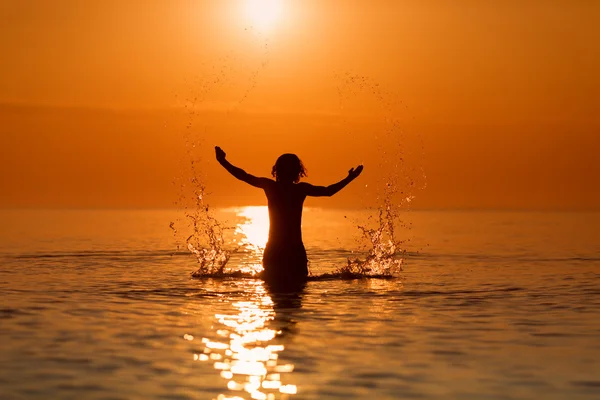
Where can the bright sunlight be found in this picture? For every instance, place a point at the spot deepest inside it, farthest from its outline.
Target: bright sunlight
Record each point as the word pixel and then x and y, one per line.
pixel 255 228
pixel 263 14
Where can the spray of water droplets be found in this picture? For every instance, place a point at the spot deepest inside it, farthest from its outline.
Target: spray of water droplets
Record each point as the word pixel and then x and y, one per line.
pixel 205 233
pixel 384 252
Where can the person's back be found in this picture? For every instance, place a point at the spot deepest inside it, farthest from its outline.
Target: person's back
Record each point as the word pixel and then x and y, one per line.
pixel 284 259
pixel 285 201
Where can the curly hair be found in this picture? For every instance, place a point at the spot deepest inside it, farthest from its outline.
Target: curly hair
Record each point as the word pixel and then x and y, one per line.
pixel 288 167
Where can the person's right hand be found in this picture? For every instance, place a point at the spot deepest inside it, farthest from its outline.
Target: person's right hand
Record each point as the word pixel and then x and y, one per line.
pixel 354 172
pixel 219 153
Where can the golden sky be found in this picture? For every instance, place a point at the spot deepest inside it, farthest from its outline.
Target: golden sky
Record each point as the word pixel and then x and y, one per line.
pixel 496 101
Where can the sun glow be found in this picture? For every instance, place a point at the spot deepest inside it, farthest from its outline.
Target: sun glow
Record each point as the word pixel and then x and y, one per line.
pixel 255 229
pixel 253 234
pixel 263 14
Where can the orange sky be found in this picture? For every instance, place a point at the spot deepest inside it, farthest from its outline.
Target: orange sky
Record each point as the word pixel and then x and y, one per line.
pixel 496 101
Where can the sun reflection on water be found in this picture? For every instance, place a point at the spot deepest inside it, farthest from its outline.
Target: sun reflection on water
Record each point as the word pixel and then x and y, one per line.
pixel 243 351
pixel 255 228
pixel 253 234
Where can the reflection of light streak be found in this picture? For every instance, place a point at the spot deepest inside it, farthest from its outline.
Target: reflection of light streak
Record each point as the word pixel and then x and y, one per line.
pixel 255 233
pixel 256 227
pixel 243 355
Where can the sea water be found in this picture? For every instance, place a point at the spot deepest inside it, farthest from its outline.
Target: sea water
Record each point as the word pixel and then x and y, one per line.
pixel 489 305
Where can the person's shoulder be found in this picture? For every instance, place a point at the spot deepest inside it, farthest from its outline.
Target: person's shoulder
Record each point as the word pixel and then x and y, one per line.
pixel 266 181
pixel 305 187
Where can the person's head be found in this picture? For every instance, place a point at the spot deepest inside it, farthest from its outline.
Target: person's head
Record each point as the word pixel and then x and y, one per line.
pixel 288 168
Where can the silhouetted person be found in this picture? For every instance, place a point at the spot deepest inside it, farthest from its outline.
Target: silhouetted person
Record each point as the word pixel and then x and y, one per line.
pixel 284 259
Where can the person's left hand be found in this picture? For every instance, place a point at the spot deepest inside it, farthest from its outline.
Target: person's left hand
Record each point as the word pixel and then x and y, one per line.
pixel 354 172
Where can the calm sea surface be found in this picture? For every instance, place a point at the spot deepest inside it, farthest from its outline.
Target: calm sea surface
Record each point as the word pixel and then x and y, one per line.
pixel 491 305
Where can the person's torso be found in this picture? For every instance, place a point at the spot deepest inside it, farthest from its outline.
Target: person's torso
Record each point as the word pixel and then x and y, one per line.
pixel 285 212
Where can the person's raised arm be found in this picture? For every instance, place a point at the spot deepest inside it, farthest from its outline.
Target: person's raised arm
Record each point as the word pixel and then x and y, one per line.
pixel 238 172
pixel 320 191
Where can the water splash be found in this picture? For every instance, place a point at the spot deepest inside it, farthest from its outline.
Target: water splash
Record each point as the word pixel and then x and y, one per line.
pixel 386 255
pixel 402 175
pixel 383 255
pixel 207 242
